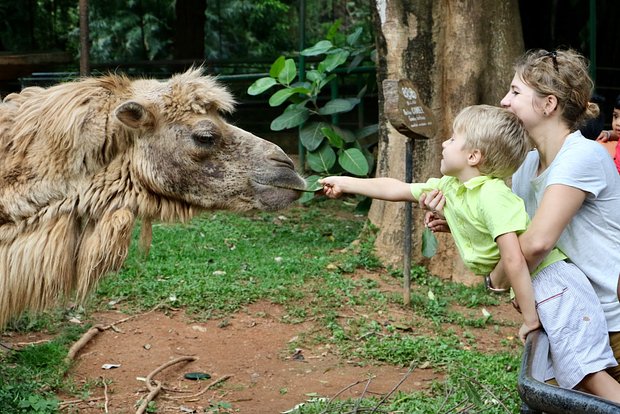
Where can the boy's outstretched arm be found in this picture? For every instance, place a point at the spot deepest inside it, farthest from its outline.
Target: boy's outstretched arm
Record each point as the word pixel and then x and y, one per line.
pixel 383 188
pixel 515 267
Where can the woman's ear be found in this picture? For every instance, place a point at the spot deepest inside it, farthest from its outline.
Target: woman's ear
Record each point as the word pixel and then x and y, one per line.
pixel 551 104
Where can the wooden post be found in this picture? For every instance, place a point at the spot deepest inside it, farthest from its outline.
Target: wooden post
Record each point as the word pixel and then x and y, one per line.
pixel 413 119
pixel 84 39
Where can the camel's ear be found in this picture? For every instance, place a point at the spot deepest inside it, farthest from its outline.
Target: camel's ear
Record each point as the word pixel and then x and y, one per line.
pixel 135 115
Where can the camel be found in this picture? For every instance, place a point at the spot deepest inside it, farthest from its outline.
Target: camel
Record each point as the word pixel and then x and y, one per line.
pixel 83 161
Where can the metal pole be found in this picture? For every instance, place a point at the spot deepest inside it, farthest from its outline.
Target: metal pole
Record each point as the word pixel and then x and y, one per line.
pixel 408 226
pixel 84 39
pixel 302 76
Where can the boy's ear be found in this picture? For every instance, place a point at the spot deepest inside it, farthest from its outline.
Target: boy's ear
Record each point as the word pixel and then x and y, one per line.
pixel 474 158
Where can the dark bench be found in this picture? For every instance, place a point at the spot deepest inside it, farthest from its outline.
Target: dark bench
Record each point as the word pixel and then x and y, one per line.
pixel 539 397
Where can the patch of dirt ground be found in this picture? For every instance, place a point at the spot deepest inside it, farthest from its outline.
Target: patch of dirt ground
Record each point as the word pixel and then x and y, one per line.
pixel 253 348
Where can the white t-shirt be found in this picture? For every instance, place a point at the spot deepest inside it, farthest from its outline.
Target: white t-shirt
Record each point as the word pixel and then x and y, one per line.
pixel 592 238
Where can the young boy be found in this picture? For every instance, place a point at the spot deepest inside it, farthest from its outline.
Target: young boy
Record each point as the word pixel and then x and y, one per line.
pixel 486 218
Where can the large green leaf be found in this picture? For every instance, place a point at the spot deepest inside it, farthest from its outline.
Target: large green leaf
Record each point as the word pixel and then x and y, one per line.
pixel 318 49
pixel 333 60
pixel 353 161
pixel 277 67
pixel 346 134
pixel 314 75
pixel 429 243
pixel 292 116
pixel 323 159
pixel 338 105
pixel 367 131
pixel 261 85
pixel 282 95
pixel 312 184
pixel 311 136
pixel 288 73
pixel 354 37
pixel 332 136
pixel 326 80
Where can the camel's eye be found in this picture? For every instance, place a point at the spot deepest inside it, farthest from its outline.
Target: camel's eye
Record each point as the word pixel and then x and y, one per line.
pixel 204 138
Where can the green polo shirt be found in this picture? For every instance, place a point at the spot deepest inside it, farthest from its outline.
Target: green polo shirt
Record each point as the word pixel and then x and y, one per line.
pixel 478 211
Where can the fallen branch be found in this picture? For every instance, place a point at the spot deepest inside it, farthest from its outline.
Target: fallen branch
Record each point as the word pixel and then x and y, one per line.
pixel 359 400
pixel 149 398
pixel 94 331
pixel 24 344
pixel 105 394
pixel 64 404
pixel 488 390
pixel 154 390
pixel 198 394
pixel 341 391
pixel 412 366
pixel 84 339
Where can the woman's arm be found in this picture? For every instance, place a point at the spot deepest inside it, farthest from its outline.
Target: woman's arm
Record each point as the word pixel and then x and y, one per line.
pixel 557 208
pixel 559 205
pixel 519 277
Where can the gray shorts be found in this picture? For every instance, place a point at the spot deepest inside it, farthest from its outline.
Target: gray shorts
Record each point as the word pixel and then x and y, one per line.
pixel 571 314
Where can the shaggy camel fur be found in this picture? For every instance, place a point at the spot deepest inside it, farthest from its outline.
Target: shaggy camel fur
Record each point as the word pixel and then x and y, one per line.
pixel 83 160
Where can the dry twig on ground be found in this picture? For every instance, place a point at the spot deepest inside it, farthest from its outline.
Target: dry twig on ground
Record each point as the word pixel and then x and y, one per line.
pixel 94 331
pixel 154 389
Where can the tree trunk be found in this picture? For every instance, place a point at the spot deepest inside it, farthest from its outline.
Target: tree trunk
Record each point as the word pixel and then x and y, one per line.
pixel 189 29
pixel 457 53
pixel 84 39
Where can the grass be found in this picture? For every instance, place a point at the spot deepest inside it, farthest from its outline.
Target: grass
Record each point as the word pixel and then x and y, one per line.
pixel 304 259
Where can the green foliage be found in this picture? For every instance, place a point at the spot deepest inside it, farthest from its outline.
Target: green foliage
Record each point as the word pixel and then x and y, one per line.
pixel 261 28
pixel 429 243
pixel 137 30
pixel 130 30
pixel 218 263
pixel 37 25
pixel 28 376
pixel 330 148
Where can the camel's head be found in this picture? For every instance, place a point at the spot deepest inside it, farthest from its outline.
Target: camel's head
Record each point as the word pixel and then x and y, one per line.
pixel 184 150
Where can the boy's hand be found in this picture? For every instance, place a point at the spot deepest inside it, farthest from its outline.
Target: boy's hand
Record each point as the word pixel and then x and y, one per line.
pixel 331 187
pixel 434 219
pixel 526 329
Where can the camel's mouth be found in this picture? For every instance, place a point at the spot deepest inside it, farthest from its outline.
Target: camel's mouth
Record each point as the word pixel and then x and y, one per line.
pixel 304 189
pixel 296 186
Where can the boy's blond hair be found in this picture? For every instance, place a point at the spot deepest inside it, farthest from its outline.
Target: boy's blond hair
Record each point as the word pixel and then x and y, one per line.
pixel 498 134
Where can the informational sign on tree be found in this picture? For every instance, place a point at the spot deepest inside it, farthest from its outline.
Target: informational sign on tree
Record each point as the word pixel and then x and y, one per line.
pixel 405 110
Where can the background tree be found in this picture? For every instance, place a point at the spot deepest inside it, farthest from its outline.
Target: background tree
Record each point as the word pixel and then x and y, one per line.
pixel 457 53
pixel 189 26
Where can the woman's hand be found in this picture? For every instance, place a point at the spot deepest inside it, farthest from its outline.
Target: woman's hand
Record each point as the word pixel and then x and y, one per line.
pixel 526 329
pixel 434 219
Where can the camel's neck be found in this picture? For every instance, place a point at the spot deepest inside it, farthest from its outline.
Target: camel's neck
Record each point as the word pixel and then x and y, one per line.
pixel 118 186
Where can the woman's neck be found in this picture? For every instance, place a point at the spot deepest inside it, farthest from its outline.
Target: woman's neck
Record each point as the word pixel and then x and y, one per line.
pixel 548 140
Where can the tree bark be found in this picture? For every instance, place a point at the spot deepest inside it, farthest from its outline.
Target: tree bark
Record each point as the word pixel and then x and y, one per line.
pixel 457 53
pixel 84 39
pixel 189 29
